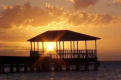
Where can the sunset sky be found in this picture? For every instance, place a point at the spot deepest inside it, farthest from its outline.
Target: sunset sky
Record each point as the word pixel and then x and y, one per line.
pixel 24 19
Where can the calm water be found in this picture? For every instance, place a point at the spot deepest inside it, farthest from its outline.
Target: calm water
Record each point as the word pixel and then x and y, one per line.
pixel 108 71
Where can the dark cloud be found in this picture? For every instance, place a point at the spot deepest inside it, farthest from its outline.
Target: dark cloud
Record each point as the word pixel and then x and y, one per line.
pixel 83 3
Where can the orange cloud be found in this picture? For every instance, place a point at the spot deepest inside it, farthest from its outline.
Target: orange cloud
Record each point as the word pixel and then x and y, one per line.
pixel 35 16
pixel 96 19
pixel 83 3
pixel 118 1
pixel 24 15
pixel 115 2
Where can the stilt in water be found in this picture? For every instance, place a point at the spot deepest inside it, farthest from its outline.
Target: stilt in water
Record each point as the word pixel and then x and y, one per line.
pixel 38 68
pixel 67 67
pixel 11 68
pixel 96 65
pixel 86 66
pixel 77 67
pixel 25 67
pixel 3 68
pixel 0 68
pixel 31 67
pixel 17 68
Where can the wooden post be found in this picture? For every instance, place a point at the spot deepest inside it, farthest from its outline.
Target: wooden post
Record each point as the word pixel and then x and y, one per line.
pixel 2 68
pixel 77 47
pixel 56 46
pixel 63 46
pixel 11 68
pixel 86 49
pixel 73 46
pixel 34 46
pixel 31 45
pixel 85 45
pixel 71 49
pixel 25 67
pixel 63 49
pixel 43 46
pixel 17 67
pixel 59 45
pixel 59 48
pixel 78 50
pixel 77 67
pixel 31 67
pixel 37 46
pixel 86 66
pixel 95 48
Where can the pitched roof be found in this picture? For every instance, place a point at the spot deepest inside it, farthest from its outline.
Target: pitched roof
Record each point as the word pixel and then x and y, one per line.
pixel 62 35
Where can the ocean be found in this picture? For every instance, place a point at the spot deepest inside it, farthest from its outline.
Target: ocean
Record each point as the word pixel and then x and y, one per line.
pixel 109 70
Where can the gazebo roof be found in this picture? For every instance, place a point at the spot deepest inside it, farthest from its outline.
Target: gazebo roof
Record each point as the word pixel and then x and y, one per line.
pixel 61 35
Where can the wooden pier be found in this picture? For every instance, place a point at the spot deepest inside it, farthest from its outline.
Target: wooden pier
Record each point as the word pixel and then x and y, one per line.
pixel 73 59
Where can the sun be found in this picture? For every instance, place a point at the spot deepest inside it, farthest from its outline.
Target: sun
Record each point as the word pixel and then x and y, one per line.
pixel 50 47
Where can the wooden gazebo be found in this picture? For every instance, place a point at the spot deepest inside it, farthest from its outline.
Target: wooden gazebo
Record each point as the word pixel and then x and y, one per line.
pixel 61 36
pixel 70 56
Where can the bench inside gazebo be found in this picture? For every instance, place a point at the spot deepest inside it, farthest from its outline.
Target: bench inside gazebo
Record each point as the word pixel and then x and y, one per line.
pixel 60 38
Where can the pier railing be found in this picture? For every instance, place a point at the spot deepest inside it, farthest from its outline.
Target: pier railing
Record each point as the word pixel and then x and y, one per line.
pixel 67 53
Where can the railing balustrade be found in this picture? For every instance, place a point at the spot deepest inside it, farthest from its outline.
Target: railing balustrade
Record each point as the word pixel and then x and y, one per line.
pixel 67 54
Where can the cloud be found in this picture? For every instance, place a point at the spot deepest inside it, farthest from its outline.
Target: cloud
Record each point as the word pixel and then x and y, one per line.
pixel 24 15
pixel 115 2
pixel 96 19
pixel 35 16
pixel 83 3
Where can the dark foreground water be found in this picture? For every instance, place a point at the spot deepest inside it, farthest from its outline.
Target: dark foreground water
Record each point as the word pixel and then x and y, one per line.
pixel 107 71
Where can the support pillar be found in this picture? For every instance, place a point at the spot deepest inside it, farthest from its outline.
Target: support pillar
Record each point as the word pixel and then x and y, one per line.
pixel 34 46
pixel 56 46
pixel 73 45
pixel 86 66
pixel 95 48
pixel 63 46
pixel 67 67
pixel 77 46
pixel 43 46
pixel 31 45
pixel 71 49
pixel 38 69
pixel 3 67
pixel 59 45
pixel 31 68
pixel 37 46
pixel 11 68
pixel 86 49
pixel 17 68
pixel 96 65
pixel 25 67
pixel 77 67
